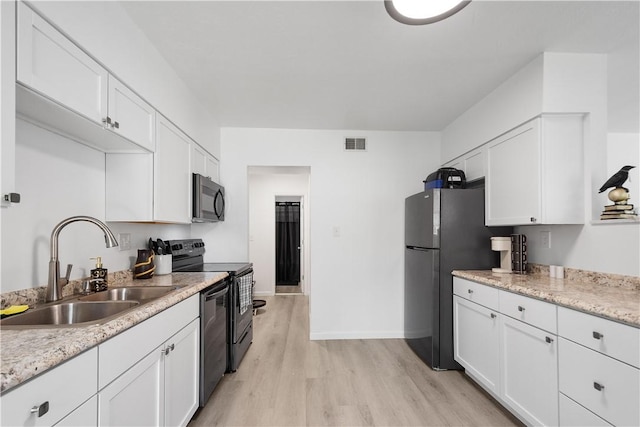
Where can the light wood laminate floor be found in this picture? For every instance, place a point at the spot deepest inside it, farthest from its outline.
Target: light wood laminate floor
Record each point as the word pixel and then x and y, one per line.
pixel 287 380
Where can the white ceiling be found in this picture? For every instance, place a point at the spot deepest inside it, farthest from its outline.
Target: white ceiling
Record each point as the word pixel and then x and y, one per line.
pixel 348 65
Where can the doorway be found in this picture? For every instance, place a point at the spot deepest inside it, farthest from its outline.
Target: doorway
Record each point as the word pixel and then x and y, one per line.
pixel 288 244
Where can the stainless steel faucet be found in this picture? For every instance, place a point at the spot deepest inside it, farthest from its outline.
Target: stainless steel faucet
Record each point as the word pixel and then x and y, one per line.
pixel 55 283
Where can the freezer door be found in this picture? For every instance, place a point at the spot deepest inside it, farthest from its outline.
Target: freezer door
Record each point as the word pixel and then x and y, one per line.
pixel 422 219
pixel 421 303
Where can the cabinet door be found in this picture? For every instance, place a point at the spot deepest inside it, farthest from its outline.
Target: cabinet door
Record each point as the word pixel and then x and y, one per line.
pixel 172 174
pixel 137 397
pixel 198 159
pixel 529 372
pixel 474 164
pixel 181 360
pixel 51 64
pixel 476 337
pixel 130 115
pixel 57 391
pixel 513 177
pixel 213 168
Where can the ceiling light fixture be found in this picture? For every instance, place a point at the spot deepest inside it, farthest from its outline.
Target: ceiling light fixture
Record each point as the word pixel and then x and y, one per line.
pixel 421 12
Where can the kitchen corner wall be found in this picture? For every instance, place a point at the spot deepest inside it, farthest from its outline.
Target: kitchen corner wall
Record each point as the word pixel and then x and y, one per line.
pixel 556 83
pixel 356 218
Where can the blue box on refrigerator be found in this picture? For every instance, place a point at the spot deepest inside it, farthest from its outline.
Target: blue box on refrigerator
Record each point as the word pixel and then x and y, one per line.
pixel 445 178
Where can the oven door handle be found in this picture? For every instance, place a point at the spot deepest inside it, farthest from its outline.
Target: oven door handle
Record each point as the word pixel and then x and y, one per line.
pixel 213 295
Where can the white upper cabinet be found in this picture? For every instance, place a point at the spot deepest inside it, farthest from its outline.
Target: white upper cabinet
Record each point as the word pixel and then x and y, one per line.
pixel 472 163
pixel 151 187
pixel 130 116
pixel 535 173
pixel 204 163
pixel 172 174
pixel 51 64
pixel 62 88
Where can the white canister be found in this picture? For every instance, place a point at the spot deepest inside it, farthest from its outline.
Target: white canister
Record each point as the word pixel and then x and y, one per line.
pixel 163 264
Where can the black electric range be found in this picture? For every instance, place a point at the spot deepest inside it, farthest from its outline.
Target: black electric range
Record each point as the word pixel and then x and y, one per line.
pixel 188 257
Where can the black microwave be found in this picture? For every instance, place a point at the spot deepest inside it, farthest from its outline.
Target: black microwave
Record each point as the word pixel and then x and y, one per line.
pixel 208 200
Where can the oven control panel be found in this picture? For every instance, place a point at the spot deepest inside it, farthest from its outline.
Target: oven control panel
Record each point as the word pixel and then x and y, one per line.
pixel 186 247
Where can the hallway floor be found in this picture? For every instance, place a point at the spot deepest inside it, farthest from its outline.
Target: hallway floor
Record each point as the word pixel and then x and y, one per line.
pixel 287 380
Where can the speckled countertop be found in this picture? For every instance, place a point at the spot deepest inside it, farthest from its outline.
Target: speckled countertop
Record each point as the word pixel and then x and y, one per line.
pixel 25 353
pixel 616 299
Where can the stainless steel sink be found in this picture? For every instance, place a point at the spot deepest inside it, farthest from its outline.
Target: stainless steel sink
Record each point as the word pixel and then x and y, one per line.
pixel 88 309
pixel 141 294
pixel 74 313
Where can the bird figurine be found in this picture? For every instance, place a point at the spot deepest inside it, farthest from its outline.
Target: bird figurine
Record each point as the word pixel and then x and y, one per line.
pixel 617 179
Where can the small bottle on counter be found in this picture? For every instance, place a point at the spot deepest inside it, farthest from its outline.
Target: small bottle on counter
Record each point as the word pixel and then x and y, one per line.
pixel 98 279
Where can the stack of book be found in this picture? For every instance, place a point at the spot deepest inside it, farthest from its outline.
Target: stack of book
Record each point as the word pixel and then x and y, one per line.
pixel 624 211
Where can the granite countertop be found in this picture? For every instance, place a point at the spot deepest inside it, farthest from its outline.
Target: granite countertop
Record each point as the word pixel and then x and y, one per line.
pixel 25 353
pixel 611 300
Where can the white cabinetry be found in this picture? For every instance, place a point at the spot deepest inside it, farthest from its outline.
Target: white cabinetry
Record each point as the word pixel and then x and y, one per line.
pixel 171 174
pixel 151 187
pixel 149 374
pixel 507 343
pixel 7 100
pixel 529 371
pixel 204 163
pixel 535 173
pixel 130 116
pixel 62 88
pixel 477 342
pixel 598 369
pixel 472 163
pixel 54 395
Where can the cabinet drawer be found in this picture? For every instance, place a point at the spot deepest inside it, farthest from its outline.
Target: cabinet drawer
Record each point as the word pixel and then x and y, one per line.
pixel 572 414
pixel 64 387
pixel 614 339
pixel 584 371
pixel 534 312
pixel 123 351
pixel 472 291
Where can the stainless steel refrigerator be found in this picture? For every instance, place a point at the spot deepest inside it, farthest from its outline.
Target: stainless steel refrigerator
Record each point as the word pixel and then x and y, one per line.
pixel 444 231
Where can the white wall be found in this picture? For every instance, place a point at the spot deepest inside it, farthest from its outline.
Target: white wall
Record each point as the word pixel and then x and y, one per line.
pixel 356 277
pixel 106 31
pixel 59 178
pixel 264 185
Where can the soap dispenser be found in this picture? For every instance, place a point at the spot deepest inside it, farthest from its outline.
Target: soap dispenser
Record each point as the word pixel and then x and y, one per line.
pixel 98 279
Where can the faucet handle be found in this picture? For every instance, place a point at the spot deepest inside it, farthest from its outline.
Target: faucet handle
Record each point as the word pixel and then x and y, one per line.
pixel 65 279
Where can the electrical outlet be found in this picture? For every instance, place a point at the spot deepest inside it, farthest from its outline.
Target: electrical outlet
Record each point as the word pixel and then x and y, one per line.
pixel 545 239
pixel 124 241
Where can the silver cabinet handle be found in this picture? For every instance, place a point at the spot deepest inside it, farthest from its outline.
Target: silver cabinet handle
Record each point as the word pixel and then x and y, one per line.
pixel 493 315
pixel 470 291
pixel 598 386
pixel 168 349
pixel 41 409
pixel 597 335
pixel 548 339
pixel 12 197
pixel 533 219
pixel 520 308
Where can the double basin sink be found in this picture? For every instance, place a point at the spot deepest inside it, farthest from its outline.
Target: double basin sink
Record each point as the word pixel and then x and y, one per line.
pixel 88 309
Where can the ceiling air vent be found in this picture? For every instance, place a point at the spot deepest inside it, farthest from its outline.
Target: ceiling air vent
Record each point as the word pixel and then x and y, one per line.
pixel 355 144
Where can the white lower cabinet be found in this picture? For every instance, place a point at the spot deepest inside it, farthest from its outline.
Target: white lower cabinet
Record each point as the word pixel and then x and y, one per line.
pixel 529 371
pixel 477 342
pixel 598 369
pixel 512 359
pixel 556 366
pixel 49 398
pixel 150 373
